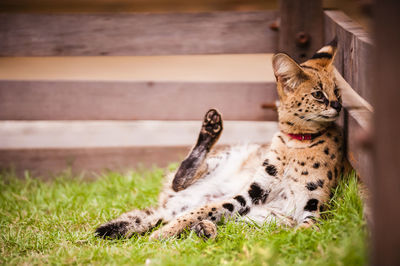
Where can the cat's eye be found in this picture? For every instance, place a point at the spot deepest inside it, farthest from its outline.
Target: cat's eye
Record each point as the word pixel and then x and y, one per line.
pixel 318 95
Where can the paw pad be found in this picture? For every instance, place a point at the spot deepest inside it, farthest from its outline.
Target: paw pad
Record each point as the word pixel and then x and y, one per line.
pixel 212 122
pixel 205 229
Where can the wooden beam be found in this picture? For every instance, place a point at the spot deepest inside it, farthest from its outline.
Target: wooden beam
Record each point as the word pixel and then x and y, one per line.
pixel 80 100
pixel 182 68
pixel 301 28
pixel 137 33
pixel 46 148
pixel 358 148
pixel 354 58
pixel 113 6
pixel 386 141
pixel 102 134
pixel 358 129
pixel 353 62
pixel 47 162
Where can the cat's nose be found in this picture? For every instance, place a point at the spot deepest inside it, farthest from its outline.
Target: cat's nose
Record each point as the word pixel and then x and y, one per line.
pixel 336 105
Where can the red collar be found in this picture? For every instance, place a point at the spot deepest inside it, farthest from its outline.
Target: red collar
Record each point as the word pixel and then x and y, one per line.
pixel 304 136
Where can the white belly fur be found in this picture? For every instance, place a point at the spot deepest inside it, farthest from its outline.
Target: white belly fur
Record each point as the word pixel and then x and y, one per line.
pixel 225 182
pixel 229 179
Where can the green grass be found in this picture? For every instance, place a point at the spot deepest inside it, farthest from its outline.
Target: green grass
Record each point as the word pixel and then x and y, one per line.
pixel 53 223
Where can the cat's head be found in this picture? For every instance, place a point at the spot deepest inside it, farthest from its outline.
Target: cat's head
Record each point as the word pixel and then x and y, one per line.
pixel 309 98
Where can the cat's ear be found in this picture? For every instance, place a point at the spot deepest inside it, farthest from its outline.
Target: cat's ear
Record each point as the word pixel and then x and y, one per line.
pixel 325 56
pixel 289 75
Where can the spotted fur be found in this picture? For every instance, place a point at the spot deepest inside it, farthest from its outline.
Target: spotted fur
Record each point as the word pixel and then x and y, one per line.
pixel 287 182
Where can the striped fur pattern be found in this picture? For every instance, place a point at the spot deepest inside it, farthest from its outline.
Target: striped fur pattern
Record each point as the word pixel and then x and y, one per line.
pixel 287 182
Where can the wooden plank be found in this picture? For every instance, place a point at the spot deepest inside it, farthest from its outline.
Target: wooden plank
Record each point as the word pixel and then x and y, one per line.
pixel 301 28
pixel 184 68
pixel 91 6
pixel 353 62
pixel 79 100
pixel 358 128
pixel 102 134
pixel 355 53
pixel 137 33
pixel 46 148
pixel 45 163
pixel 358 148
pixel 386 141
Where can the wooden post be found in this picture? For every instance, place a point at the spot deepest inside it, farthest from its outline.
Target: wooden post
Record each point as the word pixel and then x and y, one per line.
pixel 386 181
pixel 301 28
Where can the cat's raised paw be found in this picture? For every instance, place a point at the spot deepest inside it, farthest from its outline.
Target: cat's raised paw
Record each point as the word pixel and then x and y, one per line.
pixel 212 123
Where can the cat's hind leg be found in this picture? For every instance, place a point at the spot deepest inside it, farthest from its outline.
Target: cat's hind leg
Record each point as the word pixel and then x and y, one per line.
pixel 130 223
pixel 191 168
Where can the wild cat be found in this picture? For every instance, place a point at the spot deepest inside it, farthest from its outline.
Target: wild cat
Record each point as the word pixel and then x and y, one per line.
pixel 287 182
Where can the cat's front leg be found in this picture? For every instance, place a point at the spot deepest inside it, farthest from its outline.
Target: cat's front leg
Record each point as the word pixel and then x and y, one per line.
pixel 255 194
pixel 311 212
pixel 187 221
pixel 205 229
pixel 209 213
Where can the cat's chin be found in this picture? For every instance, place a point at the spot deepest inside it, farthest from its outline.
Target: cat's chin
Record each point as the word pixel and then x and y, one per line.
pixel 322 119
pixel 326 117
pixel 328 114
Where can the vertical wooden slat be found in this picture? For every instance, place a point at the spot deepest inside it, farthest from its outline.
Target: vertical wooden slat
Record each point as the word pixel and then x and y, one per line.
pixel 357 125
pixel 386 185
pixel 354 62
pixel 301 28
pixel 354 57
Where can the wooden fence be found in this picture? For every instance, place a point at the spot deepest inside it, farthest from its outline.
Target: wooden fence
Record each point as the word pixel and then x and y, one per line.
pixel 303 28
pixel 27 35
pixel 385 183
